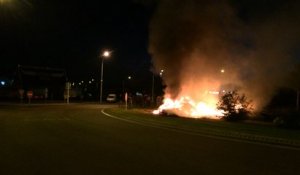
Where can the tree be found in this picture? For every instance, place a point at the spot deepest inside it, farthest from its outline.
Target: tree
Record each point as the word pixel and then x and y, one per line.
pixel 293 81
pixel 235 106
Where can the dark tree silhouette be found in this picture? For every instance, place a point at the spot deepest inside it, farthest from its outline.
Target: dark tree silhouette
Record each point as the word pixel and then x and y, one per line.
pixel 235 106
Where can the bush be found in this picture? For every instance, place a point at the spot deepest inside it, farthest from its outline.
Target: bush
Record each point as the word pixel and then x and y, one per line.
pixel 236 107
pixel 289 120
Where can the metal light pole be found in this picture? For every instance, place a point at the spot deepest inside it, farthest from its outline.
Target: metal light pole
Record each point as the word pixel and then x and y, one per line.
pixel 105 54
pixel 153 81
pixel 152 90
pixel 124 82
pixel 297 102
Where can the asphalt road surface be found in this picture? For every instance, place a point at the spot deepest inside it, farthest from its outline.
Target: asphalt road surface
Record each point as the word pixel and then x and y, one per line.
pixel 77 140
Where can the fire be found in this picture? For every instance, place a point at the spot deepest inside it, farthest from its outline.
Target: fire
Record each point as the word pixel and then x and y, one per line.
pixel 185 106
pixel 194 97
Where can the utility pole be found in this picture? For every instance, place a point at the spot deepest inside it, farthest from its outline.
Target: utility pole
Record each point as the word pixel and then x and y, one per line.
pixel 297 102
pixel 101 80
pixel 105 54
pixel 152 90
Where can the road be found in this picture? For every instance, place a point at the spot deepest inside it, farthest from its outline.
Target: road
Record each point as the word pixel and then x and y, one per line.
pixel 82 140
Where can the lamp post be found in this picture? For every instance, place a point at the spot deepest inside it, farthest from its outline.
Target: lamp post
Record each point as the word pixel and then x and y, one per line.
pixel 124 89
pixel 105 54
pixel 298 100
pixel 152 88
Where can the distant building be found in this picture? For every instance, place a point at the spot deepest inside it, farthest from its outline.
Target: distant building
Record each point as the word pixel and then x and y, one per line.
pixel 44 82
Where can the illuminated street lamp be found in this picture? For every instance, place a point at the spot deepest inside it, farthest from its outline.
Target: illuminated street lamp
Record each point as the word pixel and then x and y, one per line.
pixel 105 54
pixel 161 72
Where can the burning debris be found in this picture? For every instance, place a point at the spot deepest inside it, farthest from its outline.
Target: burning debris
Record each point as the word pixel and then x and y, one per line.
pixel 187 107
pixel 205 45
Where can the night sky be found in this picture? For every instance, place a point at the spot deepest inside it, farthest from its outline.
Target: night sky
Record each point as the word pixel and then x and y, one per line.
pixel 71 34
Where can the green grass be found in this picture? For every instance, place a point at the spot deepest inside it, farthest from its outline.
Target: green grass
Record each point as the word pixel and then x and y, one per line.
pixel 200 125
pixel 61 114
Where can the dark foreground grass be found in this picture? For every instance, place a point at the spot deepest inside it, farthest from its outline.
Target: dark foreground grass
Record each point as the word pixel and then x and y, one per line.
pixel 210 125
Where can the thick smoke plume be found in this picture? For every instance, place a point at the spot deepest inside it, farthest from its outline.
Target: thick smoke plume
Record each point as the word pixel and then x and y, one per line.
pixel 192 40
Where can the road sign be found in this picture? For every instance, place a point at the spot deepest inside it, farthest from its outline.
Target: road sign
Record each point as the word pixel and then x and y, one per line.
pixel 29 94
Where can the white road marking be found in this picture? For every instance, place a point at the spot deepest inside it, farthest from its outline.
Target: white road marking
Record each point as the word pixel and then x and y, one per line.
pixel 178 130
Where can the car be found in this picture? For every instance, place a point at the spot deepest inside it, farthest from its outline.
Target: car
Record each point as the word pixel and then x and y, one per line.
pixel 111 98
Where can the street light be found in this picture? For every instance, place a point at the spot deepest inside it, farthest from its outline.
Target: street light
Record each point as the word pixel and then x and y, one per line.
pixel 161 72
pixel 105 54
pixel 152 89
pixel 129 77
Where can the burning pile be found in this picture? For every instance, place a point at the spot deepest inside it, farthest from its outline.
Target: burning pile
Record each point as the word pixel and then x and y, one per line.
pixel 185 106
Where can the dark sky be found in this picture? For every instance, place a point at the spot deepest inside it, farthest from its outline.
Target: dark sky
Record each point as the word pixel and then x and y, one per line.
pixel 70 35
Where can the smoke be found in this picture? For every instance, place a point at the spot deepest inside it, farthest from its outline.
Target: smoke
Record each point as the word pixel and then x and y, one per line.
pixel 193 40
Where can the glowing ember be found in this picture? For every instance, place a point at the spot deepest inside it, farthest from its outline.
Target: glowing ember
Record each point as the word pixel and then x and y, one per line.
pixel 187 107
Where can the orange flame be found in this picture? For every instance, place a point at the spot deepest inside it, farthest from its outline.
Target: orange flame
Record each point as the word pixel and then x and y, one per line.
pixel 185 106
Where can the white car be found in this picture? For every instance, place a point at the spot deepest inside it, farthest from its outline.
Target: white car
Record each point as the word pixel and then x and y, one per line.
pixel 111 98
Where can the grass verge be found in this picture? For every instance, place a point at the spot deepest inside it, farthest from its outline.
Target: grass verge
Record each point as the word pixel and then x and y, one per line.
pixel 246 131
